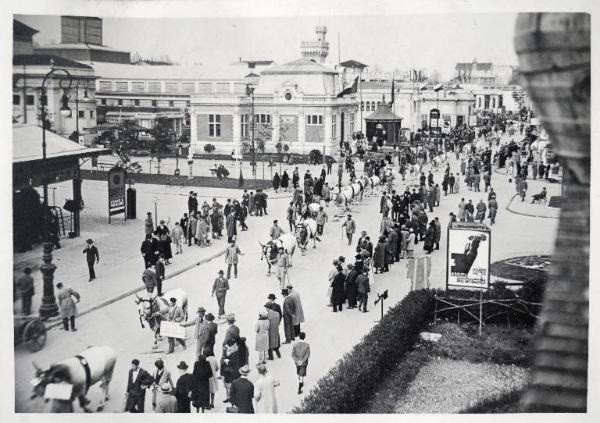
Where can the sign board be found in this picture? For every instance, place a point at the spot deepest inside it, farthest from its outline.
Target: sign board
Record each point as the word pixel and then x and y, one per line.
pixel 468 256
pixel 172 330
pixel 59 391
pixel 116 191
pixel 434 114
pixel 472 120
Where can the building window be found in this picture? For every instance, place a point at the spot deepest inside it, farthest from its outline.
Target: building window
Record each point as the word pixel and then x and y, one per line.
pixel 170 87
pixel 362 106
pixel 373 106
pixel 368 106
pixel 314 120
pixel 351 123
pixel 333 126
pixel 214 125
pixel 121 86
pixel 424 120
pixel 154 87
pixel 222 87
pixel 105 86
pixel 91 114
pixel 153 103
pixel 187 87
pixel 82 114
pixel 262 118
pixel 205 87
pixel 171 103
pixel 446 118
pixel 378 103
pixel 103 102
pixel 30 100
pixel 138 87
pixel 119 102
pixel 136 102
pixel 244 120
pixel 16 99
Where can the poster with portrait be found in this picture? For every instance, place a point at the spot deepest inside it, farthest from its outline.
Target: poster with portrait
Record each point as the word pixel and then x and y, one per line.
pixel 468 256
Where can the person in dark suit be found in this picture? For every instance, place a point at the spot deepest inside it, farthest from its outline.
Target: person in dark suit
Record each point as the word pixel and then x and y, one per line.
pixel 137 383
pixel 160 274
pixel 183 389
pixel 91 255
pixel 147 251
pixel 242 392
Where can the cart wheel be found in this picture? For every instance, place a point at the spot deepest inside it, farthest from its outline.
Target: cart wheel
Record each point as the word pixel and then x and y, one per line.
pixel 34 335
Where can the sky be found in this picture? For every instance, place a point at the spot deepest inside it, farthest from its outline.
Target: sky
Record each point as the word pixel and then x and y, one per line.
pixel 390 42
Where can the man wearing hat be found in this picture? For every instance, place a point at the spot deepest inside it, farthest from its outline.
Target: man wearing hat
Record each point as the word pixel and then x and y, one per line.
pixel 183 388
pixel 91 255
pixel 199 324
pixel 137 382
pixel 160 273
pixel 177 315
pixel 350 226
pixel 276 307
pixel 210 333
pixel 274 319
pixel 192 203
pixel 299 315
pixel 165 400
pixel 219 289
pixel 275 231
pixel 242 392
pixel 233 332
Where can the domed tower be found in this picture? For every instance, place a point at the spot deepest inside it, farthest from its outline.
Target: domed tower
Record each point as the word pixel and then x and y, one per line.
pixel 317 50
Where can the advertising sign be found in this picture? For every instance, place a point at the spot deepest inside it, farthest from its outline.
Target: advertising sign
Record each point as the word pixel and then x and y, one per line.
pixel 116 191
pixel 172 330
pixel 468 257
pixel 472 120
pixel 434 114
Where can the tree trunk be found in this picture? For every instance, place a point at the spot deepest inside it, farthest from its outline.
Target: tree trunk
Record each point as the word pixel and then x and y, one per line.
pixel 554 56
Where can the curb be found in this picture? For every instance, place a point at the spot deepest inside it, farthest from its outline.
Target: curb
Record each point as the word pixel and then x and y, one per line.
pixel 119 297
pixel 525 214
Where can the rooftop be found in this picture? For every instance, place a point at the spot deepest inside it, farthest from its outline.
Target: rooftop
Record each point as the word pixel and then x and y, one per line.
pixel 164 72
pixel 27 145
pixel 78 46
pixel 22 30
pixel 299 66
pixel 46 60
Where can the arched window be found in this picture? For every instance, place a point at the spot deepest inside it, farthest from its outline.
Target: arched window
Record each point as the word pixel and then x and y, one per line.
pixel 373 105
pixel 362 106
pixel 378 103
pixel 368 106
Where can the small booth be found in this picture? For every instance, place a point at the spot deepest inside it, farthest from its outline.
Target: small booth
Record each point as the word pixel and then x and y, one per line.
pixel 384 126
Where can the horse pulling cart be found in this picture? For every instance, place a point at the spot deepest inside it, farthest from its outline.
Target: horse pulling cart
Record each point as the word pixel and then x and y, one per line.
pixel 30 331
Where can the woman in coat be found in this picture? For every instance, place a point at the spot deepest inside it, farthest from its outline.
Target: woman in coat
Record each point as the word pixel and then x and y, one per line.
pixel 229 366
pixel 192 229
pixel 274 319
pixel 68 308
pixel 350 286
pixel 202 231
pixel 231 227
pixel 337 289
pixel 429 238
pixel 438 194
pixel 410 243
pixel 201 391
pixel 285 180
pixel 213 385
pixel 379 261
pixel 264 392
pixel 261 329
pixel 276 181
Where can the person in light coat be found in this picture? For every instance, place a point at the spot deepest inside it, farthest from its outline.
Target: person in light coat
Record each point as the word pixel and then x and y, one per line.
pixel 264 392
pixel 461 210
pixel 299 316
pixel 231 258
pixel 274 319
pixel 177 235
pixel 68 307
pixel 410 243
pixel 261 329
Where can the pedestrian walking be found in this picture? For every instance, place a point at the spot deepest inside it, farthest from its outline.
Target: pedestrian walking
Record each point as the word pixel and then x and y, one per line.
pixel 199 324
pixel 275 231
pixel 321 220
pixel 438 232
pixel 242 392
pixel 25 290
pixel 148 224
pixel 283 263
pixel 299 316
pixel 213 385
pixel 300 355
pixel 91 256
pixel 67 299
pixel 233 332
pixel 289 313
pixel 410 243
pixel 176 315
pixel 147 250
pixel 337 289
pixel 493 209
pixel 231 259
pixel 229 366
pixel 178 236
pixel 350 226
pixel 183 388
pixel 220 288
pixel 231 227
pixel 481 209
pixel 264 391
pixel 261 330
pixel 138 381
pixel 201 387
pixel 274 319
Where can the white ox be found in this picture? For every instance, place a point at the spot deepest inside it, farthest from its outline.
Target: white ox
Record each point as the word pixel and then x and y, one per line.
pixel 96 364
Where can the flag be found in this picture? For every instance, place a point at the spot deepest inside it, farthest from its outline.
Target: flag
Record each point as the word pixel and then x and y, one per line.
pixel 392 102
pixel 354 87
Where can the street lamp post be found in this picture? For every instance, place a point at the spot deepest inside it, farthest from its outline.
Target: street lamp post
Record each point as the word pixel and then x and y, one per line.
pixel 85 98
pixel 49 308
pixel 251 82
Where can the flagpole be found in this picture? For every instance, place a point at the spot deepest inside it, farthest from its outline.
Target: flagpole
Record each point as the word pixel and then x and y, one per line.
pixel 361 100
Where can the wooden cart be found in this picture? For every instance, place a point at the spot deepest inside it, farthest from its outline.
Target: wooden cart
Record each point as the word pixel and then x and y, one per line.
pixel 30 331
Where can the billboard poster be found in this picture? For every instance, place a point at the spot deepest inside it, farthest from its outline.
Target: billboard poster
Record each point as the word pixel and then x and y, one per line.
pixel 116 191
pixel 468 256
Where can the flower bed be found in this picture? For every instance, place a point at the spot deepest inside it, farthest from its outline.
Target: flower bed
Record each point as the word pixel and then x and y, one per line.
pixel 353 380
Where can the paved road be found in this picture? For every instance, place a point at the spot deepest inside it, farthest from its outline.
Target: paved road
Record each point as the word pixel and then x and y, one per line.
pixel 330 335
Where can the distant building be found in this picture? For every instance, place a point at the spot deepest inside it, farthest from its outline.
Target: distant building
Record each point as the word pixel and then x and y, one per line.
pixel 29 69
pixel 475 73
pixel 318 49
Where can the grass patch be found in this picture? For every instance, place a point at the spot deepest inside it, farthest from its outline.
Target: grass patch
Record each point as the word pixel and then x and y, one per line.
pixel 498 404
pixel 500 269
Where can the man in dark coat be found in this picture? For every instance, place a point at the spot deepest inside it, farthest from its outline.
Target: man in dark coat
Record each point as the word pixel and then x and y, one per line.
pixel 363 288
pixel 147 251
pixel 183 388
pixel 137 382
pixel 337 289
pixel 350 286
pixel 160 274
pixel 276 307
pixel 91 255
pixel 242 392
pixel 289 311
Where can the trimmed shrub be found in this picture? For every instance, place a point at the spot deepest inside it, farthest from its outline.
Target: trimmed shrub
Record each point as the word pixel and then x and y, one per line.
pixel 209 148
pixel 356 377
pixel 503 403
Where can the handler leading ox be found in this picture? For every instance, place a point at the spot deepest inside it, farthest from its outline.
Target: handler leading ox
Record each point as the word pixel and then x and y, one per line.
pixel 154 309
pixel 269 249
pixel 306 229
pixel 96 364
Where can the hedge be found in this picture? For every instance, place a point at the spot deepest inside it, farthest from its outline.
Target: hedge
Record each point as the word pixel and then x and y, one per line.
pixel 357 376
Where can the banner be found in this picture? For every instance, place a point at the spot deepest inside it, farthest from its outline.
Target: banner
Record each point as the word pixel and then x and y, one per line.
pixel 59 391
pixel 172 330
pixel 468 256
pixel 116 191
